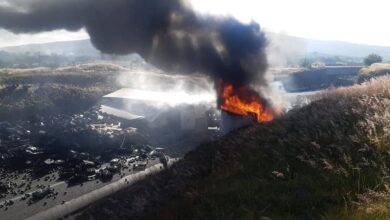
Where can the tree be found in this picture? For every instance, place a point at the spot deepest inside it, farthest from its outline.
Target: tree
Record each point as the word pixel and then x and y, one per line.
pixel 306 62
pixel 372 58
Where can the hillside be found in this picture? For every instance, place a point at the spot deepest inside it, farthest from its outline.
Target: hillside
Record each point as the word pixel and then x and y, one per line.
pixel 282 42
pixel 285 49
pixel 79 47
pixel 27 93
pixel 326 160
pixel 375 70
pixel 345 48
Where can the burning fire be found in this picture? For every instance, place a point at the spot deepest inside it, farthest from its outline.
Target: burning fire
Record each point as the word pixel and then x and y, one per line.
pixel 243 101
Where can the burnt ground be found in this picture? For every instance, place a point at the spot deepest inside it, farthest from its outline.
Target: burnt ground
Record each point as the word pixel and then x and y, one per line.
pixel 55 117
pixel 318 78
pixel 51 124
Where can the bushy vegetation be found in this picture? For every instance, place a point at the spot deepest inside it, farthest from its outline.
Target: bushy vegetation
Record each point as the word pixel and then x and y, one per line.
pixel 372 58
pixel 325 160
pixel 375 70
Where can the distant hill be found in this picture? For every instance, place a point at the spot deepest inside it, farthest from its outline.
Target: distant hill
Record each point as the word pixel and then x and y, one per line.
pixel 283 46
pixel 345 48
pixel 307 46
pixel 78 48
pixel 57 54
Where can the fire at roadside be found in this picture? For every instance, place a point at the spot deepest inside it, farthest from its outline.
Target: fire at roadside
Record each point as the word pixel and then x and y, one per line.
pixel 243 101
pixel 61 141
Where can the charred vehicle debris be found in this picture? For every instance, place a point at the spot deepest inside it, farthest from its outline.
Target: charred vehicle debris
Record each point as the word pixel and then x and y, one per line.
pixel 43 152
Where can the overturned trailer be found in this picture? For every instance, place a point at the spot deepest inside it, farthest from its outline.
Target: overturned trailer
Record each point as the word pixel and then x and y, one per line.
pixel 175 110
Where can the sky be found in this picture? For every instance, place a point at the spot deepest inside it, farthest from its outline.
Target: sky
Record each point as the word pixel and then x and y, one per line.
pixel 357 21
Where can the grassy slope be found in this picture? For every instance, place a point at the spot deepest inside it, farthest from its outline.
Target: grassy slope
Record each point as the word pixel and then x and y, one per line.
pixel 375 70
pixel 307 163
pixel 324 160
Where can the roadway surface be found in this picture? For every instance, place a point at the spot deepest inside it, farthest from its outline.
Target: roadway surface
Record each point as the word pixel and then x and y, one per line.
pixel 22 210
pixel 63 210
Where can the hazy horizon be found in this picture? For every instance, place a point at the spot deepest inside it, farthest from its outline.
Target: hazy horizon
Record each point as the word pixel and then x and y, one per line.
pixel 319 20
pixel 16 40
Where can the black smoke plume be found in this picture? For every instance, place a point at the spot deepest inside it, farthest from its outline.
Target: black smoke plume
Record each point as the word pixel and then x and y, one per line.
pixel 167 33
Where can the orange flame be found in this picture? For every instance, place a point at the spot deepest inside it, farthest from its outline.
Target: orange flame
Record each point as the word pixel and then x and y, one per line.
pixel 243 101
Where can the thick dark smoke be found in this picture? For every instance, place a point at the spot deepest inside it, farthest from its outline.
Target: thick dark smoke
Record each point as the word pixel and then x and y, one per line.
pixel 165 32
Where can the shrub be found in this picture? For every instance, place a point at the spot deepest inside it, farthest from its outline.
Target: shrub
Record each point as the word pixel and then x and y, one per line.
pixel 372 58
pixel 373 71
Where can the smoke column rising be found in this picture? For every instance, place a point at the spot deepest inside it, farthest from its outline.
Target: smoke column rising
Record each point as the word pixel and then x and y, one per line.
pixel 167 33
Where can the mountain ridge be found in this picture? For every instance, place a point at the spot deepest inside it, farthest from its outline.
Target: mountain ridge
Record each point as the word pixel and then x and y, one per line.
pixel 334 48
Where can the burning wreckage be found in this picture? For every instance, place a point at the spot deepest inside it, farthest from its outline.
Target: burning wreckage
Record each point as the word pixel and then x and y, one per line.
pixel 170 36
pixel 112 140
pixel 105 142
pixel 116 135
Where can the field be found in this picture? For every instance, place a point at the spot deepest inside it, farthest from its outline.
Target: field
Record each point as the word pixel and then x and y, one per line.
pixel 326 160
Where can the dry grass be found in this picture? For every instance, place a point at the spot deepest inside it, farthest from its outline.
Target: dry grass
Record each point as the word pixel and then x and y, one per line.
pixel 376 67
pixel 304 165
pixel 370 205
pixel 285 71
pixel 371 101
pixel 319 161
pixel 375 70
pixel 92 67
pixel 77 69
pixel 11 71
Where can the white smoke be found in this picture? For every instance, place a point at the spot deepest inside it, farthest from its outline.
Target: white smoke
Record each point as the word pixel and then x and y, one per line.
pixel 161 90
pixel 284 50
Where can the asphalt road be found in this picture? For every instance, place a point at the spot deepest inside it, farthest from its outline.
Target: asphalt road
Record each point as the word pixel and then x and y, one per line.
pixel 60 211
pixel 22 210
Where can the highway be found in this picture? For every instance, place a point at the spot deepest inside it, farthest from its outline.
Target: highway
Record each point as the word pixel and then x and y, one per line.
pixel 62 210
pixel 70 199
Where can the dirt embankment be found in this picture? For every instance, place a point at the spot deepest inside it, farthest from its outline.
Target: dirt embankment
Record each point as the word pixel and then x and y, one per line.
pixel 26 93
